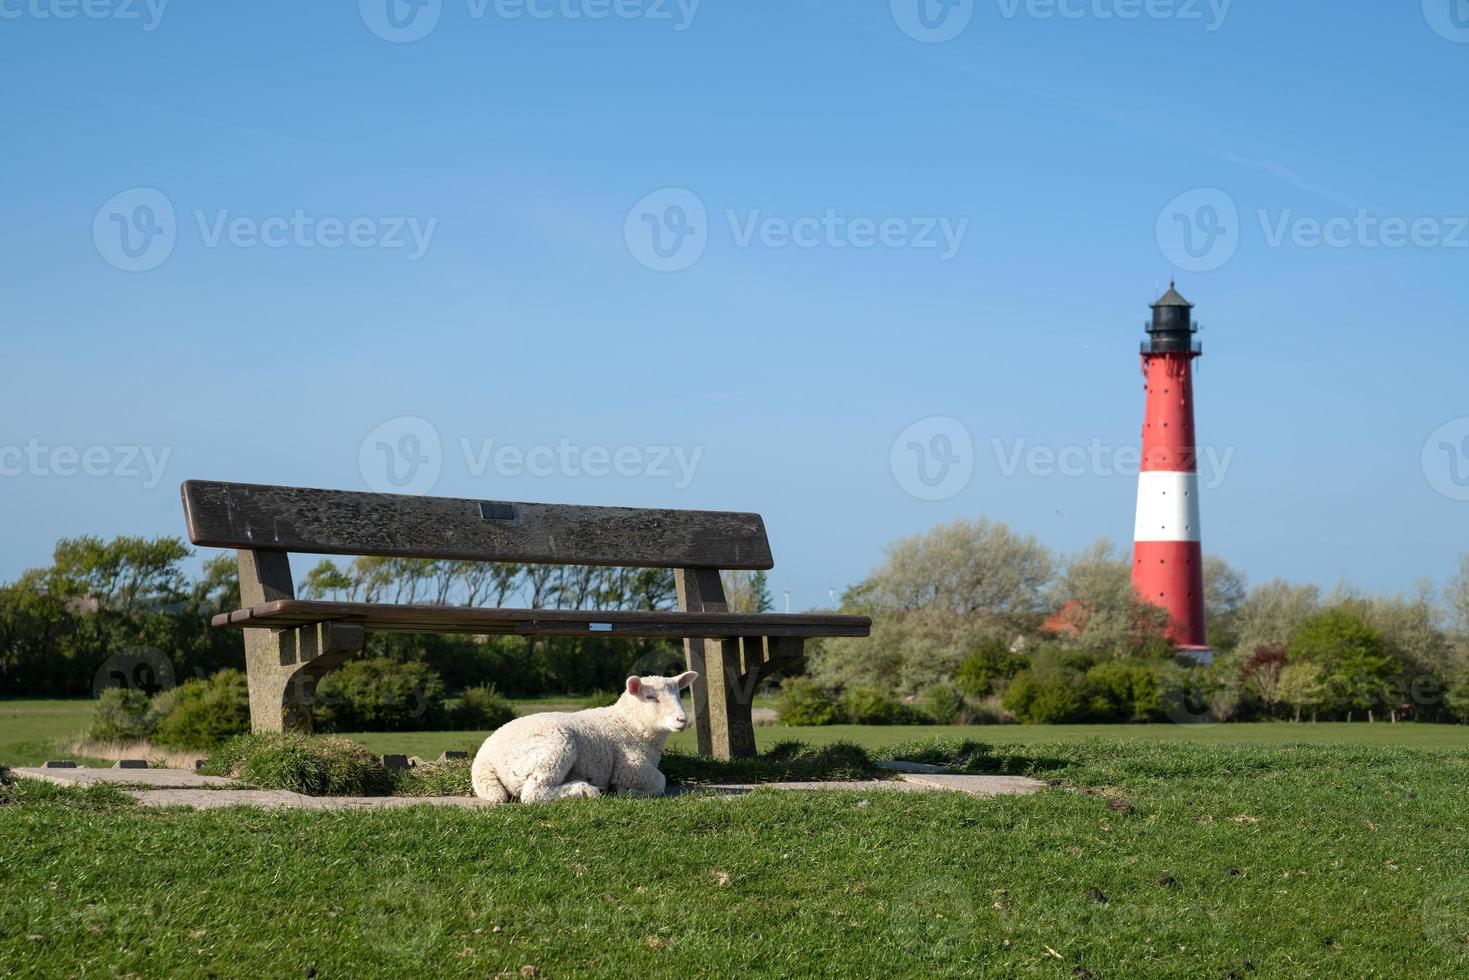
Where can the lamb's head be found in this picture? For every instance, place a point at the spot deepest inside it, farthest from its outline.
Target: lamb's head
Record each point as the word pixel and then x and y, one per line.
pixel 654 702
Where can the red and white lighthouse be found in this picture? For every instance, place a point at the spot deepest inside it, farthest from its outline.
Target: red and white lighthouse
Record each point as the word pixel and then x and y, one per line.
pixel 1168 560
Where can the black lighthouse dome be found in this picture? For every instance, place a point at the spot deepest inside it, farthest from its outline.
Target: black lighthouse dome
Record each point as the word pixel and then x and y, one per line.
pixel 1172 328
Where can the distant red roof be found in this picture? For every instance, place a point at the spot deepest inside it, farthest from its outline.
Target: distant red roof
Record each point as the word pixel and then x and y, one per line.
pixel 1069 620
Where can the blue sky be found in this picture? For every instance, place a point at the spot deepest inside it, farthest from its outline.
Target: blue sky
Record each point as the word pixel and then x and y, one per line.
pixel 1075 160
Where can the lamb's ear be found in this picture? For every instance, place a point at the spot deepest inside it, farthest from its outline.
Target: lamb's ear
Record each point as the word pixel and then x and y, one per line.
pixel 634 685
pixel 686 678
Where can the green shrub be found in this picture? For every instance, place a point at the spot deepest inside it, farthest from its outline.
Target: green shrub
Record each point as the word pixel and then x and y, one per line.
pixel 1132 689
pixel 1052 698
pixel 943 704
pixel 875 706
pixel 982 668
pixel 990 711
pixel 200 714
pixel 479 709
pixel 122 715
pixel 316 766
pixel 803 702
pixel 599 699
pixel 380 695
pixel 1354 656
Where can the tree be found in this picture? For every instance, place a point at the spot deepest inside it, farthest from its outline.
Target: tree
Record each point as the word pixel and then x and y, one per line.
pixel 1354 657
pixel 990 662
pixel 120 574
pixel 969 567
pixel 1456 593
pixel 327 580
pixel 219 588
pixel 1224 595
pixel 1271 612
pixel 1413 627
pixel 488 582
pixel 1107 615
pixel 936 597
pixel 1301 686
pixel 906 652
pixel 747 592
pixel 1262 672
pixel 1456 692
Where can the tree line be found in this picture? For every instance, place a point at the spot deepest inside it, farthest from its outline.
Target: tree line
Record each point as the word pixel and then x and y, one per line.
pixel 1065 638
pixel 970 618
pixel 130 601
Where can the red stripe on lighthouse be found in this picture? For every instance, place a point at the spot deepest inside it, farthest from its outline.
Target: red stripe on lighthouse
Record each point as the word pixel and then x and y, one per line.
pixel 1167 568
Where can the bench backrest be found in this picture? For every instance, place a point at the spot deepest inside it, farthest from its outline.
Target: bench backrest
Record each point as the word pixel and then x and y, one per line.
pixel 343 522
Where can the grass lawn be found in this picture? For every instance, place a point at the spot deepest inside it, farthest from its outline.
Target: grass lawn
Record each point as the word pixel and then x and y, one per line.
pixel 430 744
pixel 32 731
pixel 1217 860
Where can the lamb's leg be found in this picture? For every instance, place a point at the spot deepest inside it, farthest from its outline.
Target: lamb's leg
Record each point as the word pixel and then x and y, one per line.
pixel 546 764
pixel 643 782
pixel 536 791
pixel 486 782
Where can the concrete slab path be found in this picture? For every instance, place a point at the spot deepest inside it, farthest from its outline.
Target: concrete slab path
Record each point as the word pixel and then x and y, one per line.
pixel 180 787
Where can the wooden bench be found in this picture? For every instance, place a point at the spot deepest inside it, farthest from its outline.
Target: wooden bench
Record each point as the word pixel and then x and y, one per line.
pixel 290 643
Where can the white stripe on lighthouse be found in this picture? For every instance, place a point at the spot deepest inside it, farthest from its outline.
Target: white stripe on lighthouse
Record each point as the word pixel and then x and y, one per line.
pixel 1167 506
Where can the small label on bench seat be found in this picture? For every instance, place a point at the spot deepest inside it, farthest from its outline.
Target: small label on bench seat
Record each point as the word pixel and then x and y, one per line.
pixel 600 627
pixel 495 510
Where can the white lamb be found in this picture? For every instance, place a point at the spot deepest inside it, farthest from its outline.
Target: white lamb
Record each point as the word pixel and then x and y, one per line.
pixel 554 755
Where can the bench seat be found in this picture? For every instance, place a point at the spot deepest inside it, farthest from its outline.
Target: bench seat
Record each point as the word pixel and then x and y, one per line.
pixel 293 613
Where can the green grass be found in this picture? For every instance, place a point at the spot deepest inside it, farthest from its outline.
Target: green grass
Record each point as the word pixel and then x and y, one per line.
pixel 781 762
pixel 33 731
pixel 1259 860
pixel 429 744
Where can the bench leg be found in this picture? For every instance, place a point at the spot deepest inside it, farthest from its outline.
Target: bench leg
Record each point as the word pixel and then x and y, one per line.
pixel 731 727
pixel 283 666
pixel 722 720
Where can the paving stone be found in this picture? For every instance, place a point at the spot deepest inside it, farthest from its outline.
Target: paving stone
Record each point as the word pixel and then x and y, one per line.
pixel 181 787
pixel 858 785
pixel 277 799
pixel 900 765
pixel 156 778
pixel 61 764
pixel 977 785
pixel 130 764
